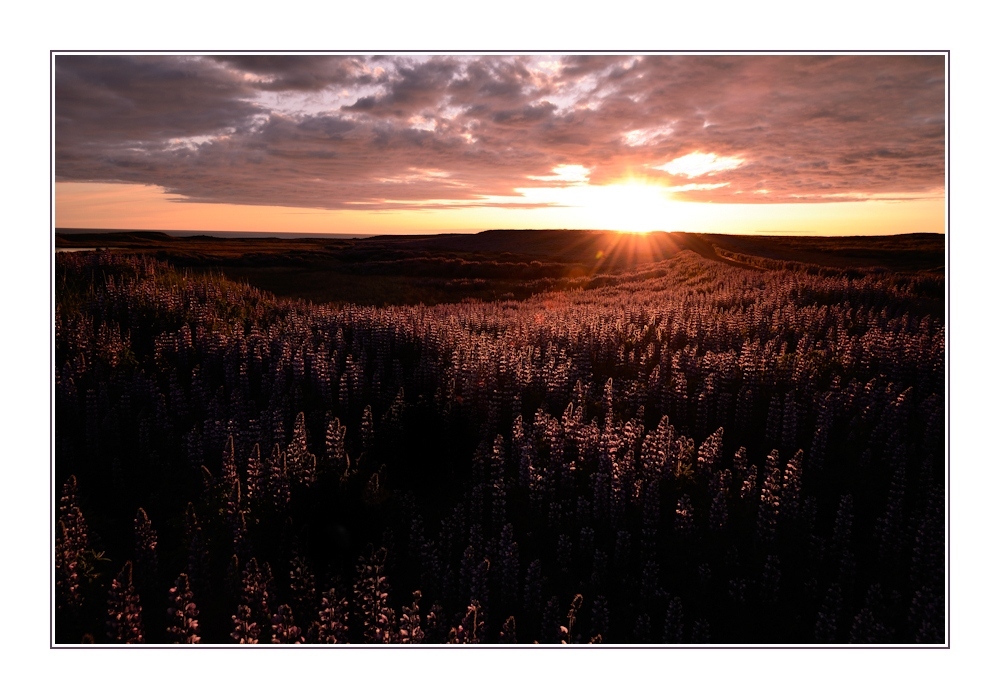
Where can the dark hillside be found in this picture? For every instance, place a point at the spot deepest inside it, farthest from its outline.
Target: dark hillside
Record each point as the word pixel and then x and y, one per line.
pixel 494 265
pixel 903 253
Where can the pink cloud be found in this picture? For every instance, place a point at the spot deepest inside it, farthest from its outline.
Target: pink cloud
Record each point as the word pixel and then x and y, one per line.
pixel 349 132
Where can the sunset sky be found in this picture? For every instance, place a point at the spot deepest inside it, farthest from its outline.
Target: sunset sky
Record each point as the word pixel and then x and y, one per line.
pixel 851 144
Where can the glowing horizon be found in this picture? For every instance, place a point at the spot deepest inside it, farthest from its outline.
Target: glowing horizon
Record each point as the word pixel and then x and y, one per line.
pixel 146 207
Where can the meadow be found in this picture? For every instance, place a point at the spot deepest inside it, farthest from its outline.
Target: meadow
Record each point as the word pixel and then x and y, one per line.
pixel 510 437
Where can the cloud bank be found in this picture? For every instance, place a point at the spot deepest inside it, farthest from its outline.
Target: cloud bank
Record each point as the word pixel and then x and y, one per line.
pixel 373 132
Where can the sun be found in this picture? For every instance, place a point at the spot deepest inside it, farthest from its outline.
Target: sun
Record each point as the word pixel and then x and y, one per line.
pixel 630 206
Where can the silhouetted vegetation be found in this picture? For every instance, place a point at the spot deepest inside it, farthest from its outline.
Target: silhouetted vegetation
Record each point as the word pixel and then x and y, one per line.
pixel 691 442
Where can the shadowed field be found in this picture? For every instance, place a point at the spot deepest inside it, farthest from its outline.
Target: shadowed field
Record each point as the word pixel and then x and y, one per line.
pixel 496 264
pixel 715 447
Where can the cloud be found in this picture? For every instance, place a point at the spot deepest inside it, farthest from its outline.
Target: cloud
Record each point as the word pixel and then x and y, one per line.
pixel 113 100
pixel 643 137
pixel 411 87
pixel 356 132
pixel 697 164
pixel 693 187
pixel 277 73
pixel 565 173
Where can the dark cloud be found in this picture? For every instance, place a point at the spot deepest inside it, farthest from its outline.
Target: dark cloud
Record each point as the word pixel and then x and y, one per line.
pixel 277 73
pixel 528 114
pixel 356 132
pixel 143 99
pixel 413 87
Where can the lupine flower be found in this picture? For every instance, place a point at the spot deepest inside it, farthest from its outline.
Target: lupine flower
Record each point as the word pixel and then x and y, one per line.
pixel 564 552
pixel 301 465
pixel 367 429
pixel 718 513
pixel 230 476
pixel 332 624
pixel 685 452
pixel 791 489
pixel 599 570
pixel 789 427
pixel 704 575
pixel 435 630
pixel 198 556
pixel 254 611
pixel 409 622
pixel 146 559
pixel 748 491
pixel 623 549
pixel 842 525
pixel 673 622
pixel 277 479
pixel 641 629
pixel 245 630
pixel 650 581
pixel 71 542
pixel 508 632
pixel 182 613
pixel 866 629
pixel 827 617
pixel 701 632
pixel 335 453
pixel 709 454
pixel 890 524
pixel 684 516
pixel 302 585
pixel 533 586
pixel 371 593
pixel 650 505
pixel 470 628
pixel 256 477
pixel 770 500
pixel 737 590
pixel 599 617
pixel 927 616
pixel 552 631
pixel 283 628
pixel 574 609
pixel 124 610
pixel 509 564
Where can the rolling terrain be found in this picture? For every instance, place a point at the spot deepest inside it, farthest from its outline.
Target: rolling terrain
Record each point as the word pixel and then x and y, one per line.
pixel 496 264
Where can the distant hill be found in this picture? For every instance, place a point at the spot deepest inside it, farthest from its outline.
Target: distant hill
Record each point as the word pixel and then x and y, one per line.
pixel 908 252
pixel 76 237
pixel 494 264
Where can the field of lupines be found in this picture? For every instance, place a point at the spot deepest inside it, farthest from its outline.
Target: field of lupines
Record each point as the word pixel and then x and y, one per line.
pixel 695 453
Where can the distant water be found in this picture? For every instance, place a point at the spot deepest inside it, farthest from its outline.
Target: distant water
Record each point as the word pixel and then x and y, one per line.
pixel 102 248
pixel 254 234
pixel 215 234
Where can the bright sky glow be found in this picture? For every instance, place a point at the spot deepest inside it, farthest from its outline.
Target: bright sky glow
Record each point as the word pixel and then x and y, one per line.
pixel 623 207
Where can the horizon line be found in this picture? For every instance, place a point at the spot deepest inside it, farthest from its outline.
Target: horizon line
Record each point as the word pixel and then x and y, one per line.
pixel 220 233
